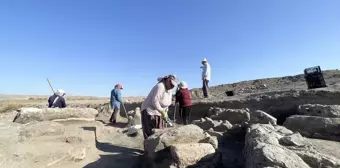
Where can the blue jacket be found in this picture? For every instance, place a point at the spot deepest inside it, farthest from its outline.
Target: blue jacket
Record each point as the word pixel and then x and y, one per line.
pixel 116 98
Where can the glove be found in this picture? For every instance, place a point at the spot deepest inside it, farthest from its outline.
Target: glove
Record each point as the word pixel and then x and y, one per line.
pixel 166 118
pixel 164 114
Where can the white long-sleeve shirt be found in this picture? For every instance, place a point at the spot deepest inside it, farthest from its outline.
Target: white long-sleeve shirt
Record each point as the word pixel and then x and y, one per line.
pixel 158 100
pixel 206 71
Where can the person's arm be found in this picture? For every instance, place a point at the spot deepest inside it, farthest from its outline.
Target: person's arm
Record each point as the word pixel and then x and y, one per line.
pixel 156 94
pixel 49 102
pixel 63 103
pixel 111 98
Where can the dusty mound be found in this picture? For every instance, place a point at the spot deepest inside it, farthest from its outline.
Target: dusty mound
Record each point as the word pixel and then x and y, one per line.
pixel 297 82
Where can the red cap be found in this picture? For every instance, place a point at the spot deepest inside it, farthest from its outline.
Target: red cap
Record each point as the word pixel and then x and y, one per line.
pixel 119 86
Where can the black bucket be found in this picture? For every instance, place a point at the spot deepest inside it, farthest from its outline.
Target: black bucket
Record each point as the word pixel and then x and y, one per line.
pixel 229 93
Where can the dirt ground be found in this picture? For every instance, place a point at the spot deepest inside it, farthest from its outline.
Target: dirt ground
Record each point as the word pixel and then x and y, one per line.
pixel 102 145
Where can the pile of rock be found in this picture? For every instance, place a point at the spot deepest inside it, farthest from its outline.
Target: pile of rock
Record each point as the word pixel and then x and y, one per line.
pixel 180 147
pixel 221 120
pixel 316 121
pixel 276 146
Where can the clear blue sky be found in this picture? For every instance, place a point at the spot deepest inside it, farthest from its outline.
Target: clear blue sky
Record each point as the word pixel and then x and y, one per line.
pixel 85 46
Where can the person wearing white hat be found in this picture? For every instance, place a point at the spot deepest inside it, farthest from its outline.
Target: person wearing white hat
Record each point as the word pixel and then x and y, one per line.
pixel 57 99
pixel 206 73
pixel 183 98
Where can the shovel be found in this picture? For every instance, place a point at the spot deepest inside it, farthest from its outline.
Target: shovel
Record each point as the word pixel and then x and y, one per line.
pixel 175 113
pixel 125 111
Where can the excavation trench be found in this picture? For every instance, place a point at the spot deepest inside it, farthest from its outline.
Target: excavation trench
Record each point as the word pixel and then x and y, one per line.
pixel 278 104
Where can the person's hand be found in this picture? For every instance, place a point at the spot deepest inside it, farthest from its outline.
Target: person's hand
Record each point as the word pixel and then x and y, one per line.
pixel 164 114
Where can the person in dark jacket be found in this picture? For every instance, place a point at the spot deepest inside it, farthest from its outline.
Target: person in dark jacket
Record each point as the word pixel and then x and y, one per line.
pixel 57 100
pixel 115 100
pixel 183 98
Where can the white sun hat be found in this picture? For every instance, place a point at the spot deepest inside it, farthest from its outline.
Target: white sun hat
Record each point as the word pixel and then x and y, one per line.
pixel 60 92
pixel 183 85
pixel 204 60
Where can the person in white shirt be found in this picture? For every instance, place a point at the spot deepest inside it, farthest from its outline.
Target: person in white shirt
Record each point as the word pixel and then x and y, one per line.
pixel 155 106
pixel 206 73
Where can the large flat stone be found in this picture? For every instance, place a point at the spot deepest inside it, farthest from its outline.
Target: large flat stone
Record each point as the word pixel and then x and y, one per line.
pixel 313 126
pixel 26 115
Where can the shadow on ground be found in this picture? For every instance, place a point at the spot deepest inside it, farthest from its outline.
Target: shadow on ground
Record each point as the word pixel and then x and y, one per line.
pixel 117 156
pixel 118 124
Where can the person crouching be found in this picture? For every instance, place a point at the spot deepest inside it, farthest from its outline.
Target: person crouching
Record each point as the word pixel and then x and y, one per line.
pixel 57 100
pixel 183 98
pixel 156 104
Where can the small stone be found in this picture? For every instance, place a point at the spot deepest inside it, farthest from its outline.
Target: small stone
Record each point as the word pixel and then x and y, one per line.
pixel 224 126
pixel 78 154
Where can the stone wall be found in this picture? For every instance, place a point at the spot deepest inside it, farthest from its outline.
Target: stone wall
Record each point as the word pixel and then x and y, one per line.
pixel 278 104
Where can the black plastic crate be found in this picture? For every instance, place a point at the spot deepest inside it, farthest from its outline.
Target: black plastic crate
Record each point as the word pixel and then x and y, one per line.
pixel 314 77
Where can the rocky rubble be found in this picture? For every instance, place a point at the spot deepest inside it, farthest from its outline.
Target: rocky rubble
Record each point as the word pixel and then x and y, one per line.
pixel 234 116
pixel 183 146
pixel 316 121
pixel 162 139
pixel 275 146
pixel 269 145
pixel 315 127
pixel 230 135
pixel 222 120
pixel 331 111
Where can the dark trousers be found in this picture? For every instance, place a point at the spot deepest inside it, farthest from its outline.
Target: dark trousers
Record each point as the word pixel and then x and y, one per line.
pixel 150 122
pixel 205 88
pixel 184 113
pixel 113 118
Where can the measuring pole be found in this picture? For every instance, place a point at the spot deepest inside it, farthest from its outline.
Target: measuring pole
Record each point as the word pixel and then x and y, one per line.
pixel 50 85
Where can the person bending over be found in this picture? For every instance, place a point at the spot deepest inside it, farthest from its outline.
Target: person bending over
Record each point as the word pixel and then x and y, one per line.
pixel 155 106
